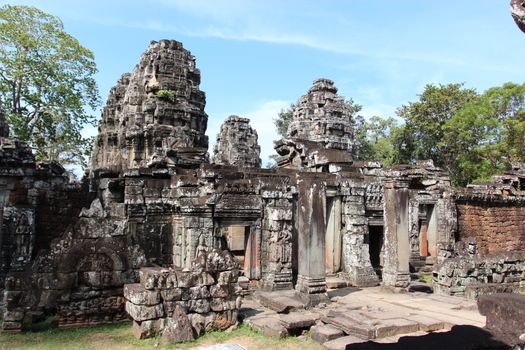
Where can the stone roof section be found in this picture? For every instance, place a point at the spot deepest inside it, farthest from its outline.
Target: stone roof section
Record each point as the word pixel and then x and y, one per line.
pixel 322 116
pixel 154 117
pixel 237 144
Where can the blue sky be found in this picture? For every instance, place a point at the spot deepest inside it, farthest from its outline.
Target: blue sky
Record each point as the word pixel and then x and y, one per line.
pixel 257 57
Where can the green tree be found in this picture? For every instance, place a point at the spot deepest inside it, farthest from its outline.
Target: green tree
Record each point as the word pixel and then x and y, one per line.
pixel 375 137
pixel 485 136
pixel 284 117
pixel 46 84
pixel 423 134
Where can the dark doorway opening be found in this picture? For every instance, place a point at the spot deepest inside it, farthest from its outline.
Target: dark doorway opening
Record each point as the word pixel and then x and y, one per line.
pixel 375 247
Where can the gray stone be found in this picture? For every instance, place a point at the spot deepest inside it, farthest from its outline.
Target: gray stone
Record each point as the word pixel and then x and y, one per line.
pixel 342 343
pixel 143 312
pixel 323 333
pixel 178 329
pixel 138 295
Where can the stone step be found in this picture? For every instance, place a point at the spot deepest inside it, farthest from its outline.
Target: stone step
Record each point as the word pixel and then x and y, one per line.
pixel 334 282
pixel 280 301
pixel 268 326
pixel 362 325
pixel 325 332
pixel 295 322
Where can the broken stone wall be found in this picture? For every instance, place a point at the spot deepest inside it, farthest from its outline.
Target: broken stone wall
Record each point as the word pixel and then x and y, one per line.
pixel 356 258
pixel 277 245
pixel 477 275
pixel 207 294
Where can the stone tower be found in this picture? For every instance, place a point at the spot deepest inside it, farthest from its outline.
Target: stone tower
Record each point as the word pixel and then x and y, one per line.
pixel 237 144
pixel 154 117
pixel 321 131
pixel 322 116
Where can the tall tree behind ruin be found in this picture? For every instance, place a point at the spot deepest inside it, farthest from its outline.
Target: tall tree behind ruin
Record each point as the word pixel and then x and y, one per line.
pixel 46 83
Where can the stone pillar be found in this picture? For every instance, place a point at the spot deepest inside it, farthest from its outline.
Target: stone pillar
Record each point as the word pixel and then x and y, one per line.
pixel 396 272
pixel 311 279
pixel 277 240
pixel 356 257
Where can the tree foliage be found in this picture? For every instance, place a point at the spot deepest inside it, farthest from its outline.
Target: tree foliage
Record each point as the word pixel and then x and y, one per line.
pixel 425 119
pixel 376 138
pixel 284 117
pixel 470 135
pixel 46 84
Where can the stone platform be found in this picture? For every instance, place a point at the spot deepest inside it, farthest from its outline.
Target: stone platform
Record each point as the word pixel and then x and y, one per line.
pixel 366 316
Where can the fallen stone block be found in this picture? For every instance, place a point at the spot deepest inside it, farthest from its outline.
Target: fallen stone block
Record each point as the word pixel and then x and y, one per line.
pixel 179 328
pixel 148 329
pixel 428 324
pixel 391 327
pixel 342 343
pixel 324 333
pixel 269 326
pixel 505 314
pixel 281 302
pixel 297 320
pixel 352 323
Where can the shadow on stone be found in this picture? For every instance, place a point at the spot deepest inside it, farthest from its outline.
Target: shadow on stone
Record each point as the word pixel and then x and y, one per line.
pixel 245 312
pixel 342 292
pixel 458 338
pixel 421 288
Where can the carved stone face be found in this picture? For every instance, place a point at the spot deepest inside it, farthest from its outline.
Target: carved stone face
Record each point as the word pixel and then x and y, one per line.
pixel 517 9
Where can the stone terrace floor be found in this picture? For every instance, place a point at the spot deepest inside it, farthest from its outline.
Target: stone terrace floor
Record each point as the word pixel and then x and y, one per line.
pixel 372 318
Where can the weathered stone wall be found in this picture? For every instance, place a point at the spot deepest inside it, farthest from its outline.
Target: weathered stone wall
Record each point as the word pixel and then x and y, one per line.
pixel 237 144
pixel 474 276
pixel 208 297
pixel 154 116
pixel 322 116
pixel 495 226
pixel 277 240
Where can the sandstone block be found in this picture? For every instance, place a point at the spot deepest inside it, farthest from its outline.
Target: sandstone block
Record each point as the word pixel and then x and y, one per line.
pixel 143 312
pixel 137 294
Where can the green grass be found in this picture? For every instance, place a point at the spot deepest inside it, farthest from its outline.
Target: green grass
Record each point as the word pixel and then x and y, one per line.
pixel 119 336
pixel 425 278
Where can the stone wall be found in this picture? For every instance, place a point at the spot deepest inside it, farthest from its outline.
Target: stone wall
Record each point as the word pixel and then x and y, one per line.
pixel 496 226
pixel 207 297
pixel 473 276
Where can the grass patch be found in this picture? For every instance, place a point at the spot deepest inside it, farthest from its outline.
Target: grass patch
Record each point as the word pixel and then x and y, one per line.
pixel 120 337
pixel 425 278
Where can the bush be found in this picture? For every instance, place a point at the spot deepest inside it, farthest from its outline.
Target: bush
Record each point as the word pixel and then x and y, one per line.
pixel 168 95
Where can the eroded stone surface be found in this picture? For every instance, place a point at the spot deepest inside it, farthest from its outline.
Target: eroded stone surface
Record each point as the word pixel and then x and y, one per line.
pixel 154 116
pixel 237 144
pixel 179 328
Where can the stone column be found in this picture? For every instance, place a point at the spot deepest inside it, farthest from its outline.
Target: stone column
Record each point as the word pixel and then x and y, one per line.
pixel 311 279
pixel 356 257
pixel 396 272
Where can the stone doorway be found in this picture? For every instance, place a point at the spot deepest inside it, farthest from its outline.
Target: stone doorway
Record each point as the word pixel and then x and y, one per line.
pixel 428 231
pixel 241 242
pixel 376 239
pixel 333 240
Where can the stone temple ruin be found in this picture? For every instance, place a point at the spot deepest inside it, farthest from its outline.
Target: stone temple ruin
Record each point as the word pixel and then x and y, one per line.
pixel 164 233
